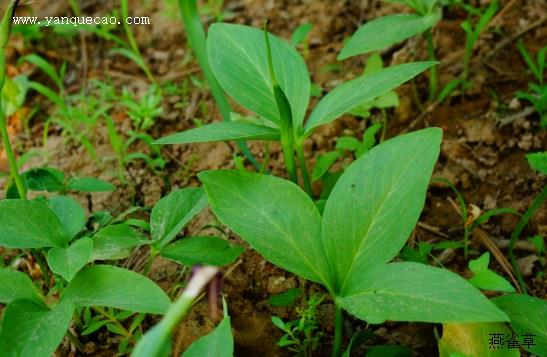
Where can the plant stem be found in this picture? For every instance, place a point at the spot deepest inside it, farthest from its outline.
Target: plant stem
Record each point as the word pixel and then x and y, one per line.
pixel 74 340
pixel 338 330
pixel 287 144
pixel 432 69
pixel 536 204
pixel 5 30
pixel 196 37
pixel 304 168
pixel 37 255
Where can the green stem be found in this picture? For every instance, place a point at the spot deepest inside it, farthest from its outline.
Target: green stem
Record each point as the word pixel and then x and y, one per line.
pixel 304 169
pixel 338 330
pixel 74 340
pixel 113 320
pixel 37 255
pixel 5 30
pixel 196 37
pixel 432 69
pixel 536 204
pixel 287 144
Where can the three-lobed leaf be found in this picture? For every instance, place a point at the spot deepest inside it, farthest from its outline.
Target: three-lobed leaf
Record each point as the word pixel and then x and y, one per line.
pixel 116 242
pixel 202 250
pixel 386 31
pixel 171 214
pixel 31 330
pixel 360 90
pixel 105 285
pixel 376 203
pixel 70 214
pixel 274 216
pixel 29 224
pixel 222 131
pixel 67 261
pixel 416 292
pixel 237 55
pixel 17 285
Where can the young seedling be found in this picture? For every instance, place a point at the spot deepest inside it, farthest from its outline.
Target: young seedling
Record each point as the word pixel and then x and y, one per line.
pixel 385 31
pixel 486 279
pixel 367 218
pixel 538 91
pixel 472 35
pixel 268 77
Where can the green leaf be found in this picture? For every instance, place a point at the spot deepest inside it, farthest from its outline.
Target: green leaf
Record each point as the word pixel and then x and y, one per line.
pixel 89 184
pixel 416 292
pixel 44 179
pixel 13 94
pixel 299 35
pixel 389 351
pixel 68 261
pixel 222 131
pixel 70 214
pixel 323 164
pixel 45 66
pixel 274 216
pixel 485 278
pixel 528 315
pixel 17 285
pixel 237 55
pixel 476 340
pixel 376 203
pixel 386 31
pixel 173 212
pixel 31 330
pixel 286 298
pixel 105 285
pixel 219 343
pixel 202 250
pixel 29 224
pixel 360 90
pixel 116 242
pixel 538 161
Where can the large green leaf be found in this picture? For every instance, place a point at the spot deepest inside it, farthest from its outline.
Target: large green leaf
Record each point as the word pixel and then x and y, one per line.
pixel 16 285
pixel 67 261
pixel 528 316
pixel 105 285
pixel 360 90
pixel 219 343
pixel 376 203
pixel 116 242
pixel 237 55
pixel 202 250
pixel 173 212
pixel 31 330
pixel 417 292
pixel 70 214
pixel 29 224
pixel 222 131
pixel 386 31
pixel 274 216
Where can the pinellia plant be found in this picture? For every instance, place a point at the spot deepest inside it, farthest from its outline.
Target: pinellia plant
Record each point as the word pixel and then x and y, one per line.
pixel 367 218
pixel 266 75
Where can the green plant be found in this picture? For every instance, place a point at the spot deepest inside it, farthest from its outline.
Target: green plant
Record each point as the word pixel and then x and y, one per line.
pixel 469 222
pixel 301 335
pixel 269 77
pixel 486 279
pixel 538 162
pixel 54 230
pixel 144 111
pixel 366 220
pixel 538 92
pixel 5 28
pixel 219 342
pixel 196 40
pixel 388 30
pixel 472 34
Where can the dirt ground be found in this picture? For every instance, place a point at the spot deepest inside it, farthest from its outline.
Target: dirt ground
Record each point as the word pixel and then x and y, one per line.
pixel 486 136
